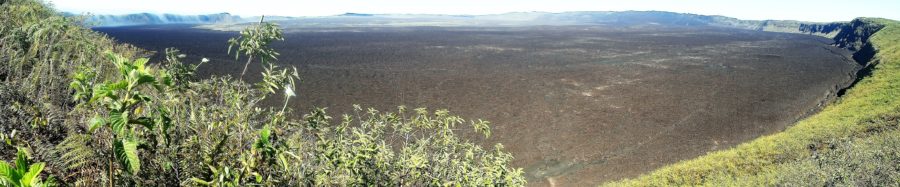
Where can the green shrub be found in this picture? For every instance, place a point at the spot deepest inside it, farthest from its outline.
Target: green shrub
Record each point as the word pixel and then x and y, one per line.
pixel 22 173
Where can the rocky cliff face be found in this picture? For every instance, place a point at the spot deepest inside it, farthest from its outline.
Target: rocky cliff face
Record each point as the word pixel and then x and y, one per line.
pixel 853 36
pixel 824 29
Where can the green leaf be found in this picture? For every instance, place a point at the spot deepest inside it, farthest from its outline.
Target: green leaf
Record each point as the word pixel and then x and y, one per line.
pixel 121 85
pixel 96 122
pixel 284 162
pixel 21 161
pixel 165 122
pixel 139 63
pixel 264 135
pixel 118 121
pixel 33 172
pixel 165 78
pixel 75 84
pixel 144 121
pixel 143 78
pixel 6 171
pixel 100 91
pixel 137 96
pixel 121 62
pixel 201 181
pixel 126 153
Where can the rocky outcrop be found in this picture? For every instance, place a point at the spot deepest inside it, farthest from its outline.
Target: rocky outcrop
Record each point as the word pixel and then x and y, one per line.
pixel 853 36
pixel 822 29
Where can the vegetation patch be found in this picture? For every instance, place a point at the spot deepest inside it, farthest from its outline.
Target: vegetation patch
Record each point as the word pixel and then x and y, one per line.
pixel 92 112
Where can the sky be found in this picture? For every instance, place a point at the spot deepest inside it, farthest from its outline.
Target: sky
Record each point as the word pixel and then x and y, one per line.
pixel 802 10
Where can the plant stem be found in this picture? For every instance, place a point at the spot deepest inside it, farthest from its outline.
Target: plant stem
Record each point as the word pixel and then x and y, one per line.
pixel 249 59
pixel 112 179
pixel 286 99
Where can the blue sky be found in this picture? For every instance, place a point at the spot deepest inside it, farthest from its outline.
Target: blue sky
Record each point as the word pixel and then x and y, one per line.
pixel 804 10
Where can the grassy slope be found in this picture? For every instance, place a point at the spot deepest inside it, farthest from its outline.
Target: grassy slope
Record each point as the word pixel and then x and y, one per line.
pixel 815 149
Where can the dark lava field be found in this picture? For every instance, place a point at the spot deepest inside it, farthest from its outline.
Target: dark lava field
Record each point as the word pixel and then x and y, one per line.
pixel 576 105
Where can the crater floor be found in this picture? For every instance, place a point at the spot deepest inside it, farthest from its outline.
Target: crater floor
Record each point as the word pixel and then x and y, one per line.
pixel 576 105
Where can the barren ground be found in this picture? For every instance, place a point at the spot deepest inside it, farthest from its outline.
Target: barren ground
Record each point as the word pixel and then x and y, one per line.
pixel 576 105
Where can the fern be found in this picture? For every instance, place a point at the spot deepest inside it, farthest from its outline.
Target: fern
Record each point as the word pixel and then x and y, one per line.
pixel 76 152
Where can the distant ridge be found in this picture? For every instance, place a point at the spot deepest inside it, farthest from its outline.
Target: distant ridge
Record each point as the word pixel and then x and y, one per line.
pixel 226 21
pixel 611 18
pixel 106 20
pixel 355 14
pixel 158 19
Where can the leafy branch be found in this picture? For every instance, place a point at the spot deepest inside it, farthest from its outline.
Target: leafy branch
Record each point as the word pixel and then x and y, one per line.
pixel 254 43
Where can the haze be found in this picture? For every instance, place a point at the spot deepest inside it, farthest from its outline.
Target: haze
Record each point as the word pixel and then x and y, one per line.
pixel 820 10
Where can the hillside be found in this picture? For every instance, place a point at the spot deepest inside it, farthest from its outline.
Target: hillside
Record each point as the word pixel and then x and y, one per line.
pixel 79 109
pixel 851 142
